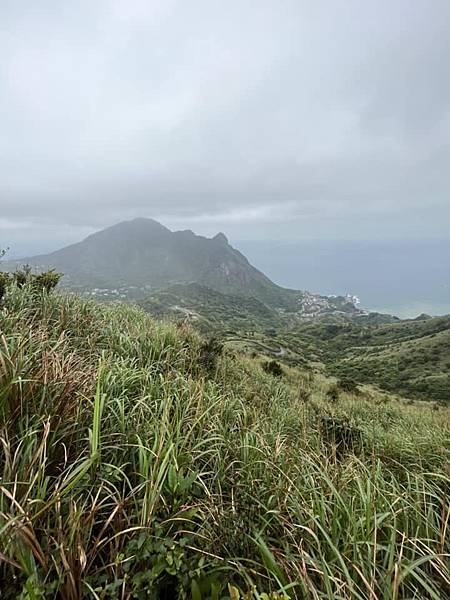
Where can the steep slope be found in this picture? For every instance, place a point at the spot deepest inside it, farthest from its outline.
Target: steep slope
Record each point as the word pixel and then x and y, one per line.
pixel 144 253
pixel 130 259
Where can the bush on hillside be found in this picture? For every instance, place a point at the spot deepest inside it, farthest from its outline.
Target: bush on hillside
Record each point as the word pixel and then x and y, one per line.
pixel 210 352
pixel 333 393
pixel 4 282
pixel 273 367
pixel 349 385
pixel 46 280
pixel 343 436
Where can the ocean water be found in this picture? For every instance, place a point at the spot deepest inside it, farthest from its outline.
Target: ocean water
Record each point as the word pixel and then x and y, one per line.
pixel 404 278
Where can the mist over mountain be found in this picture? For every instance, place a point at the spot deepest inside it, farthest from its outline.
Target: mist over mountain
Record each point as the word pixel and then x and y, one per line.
pixel 142 252
pixel 133 258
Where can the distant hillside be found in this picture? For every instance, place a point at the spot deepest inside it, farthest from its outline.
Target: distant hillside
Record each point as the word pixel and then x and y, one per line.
pixel 211 284
pixel 135 258
pixel 210 310
pixel 410 357
pixel 145 254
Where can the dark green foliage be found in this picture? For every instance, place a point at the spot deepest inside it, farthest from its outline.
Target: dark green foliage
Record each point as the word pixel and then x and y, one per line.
pixel 348 385
pixel 273 368
pixel 210 352
pixel 4 282
pixel 343 436
pixel 333 393
pixel 45 281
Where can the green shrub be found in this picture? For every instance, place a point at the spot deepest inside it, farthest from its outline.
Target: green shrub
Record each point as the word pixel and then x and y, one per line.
pixel 273 367
pixel 347 384
pixel 46 280
pixel 343 436
pixel 333 393
pixel 4 282
pixel 210 352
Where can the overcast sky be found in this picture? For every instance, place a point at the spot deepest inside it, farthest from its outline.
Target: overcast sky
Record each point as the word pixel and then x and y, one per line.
pixel 266 119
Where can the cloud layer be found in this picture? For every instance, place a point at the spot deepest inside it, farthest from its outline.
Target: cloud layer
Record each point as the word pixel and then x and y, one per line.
pixel 280 118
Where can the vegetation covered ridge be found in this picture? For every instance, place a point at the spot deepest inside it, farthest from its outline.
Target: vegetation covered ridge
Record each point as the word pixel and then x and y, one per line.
pixel 410 357
pixel 139 459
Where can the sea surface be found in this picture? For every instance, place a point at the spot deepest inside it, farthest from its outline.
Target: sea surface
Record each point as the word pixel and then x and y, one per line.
pixel 403 278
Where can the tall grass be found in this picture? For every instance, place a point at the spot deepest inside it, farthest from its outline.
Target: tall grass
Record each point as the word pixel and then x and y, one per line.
pixel 132 465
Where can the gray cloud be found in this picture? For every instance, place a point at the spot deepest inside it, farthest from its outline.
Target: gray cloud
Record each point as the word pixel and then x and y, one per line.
pixel 277 118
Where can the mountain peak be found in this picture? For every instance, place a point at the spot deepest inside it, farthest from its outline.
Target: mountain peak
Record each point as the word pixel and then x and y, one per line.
pixel 221 237
pixel 132 257
pixel 134 229
pixel 142 254
pixel 143 223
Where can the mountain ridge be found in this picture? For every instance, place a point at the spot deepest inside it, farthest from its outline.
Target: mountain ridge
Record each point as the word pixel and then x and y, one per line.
pixel 135 257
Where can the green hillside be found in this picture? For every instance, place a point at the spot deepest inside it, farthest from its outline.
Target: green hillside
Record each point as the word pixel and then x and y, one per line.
pixel 409 357
pixel 139 258
pixel 139 459
pixel 133 257
pixel 210 310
